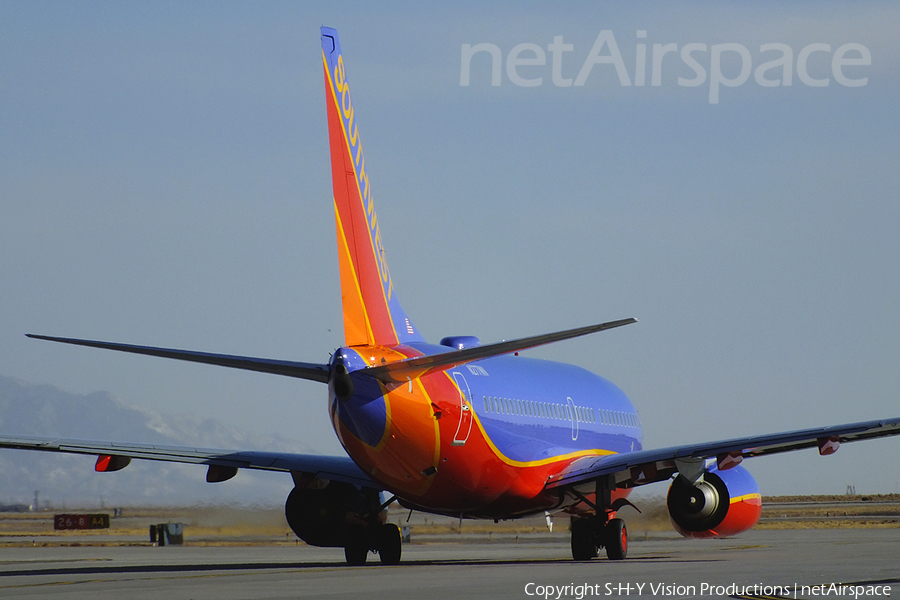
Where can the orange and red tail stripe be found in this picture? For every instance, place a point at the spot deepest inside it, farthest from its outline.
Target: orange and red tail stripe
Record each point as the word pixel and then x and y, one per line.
pixel 372 313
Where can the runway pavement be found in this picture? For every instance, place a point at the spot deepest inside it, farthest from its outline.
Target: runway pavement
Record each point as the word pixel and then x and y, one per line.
pixel 531 568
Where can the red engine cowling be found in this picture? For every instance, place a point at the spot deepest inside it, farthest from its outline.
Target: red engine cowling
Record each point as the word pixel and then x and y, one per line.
pixel 726 503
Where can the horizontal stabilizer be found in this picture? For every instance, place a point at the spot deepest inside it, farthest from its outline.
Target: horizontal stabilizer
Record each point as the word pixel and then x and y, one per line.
pixel 416 367
pixel 311 371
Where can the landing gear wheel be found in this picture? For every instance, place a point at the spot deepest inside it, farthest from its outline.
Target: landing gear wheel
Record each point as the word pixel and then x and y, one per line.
pixel 583 546
pixel 389 544
pixel 616 539
pixel 356 550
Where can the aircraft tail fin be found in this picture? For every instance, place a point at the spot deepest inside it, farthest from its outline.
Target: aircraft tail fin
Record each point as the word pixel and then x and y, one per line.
pixel 372 313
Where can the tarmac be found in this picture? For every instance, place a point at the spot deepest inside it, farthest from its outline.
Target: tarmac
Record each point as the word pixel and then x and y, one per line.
pixel 765 563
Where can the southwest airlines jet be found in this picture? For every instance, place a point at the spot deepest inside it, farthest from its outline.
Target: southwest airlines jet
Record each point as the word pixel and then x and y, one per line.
pixel 461 428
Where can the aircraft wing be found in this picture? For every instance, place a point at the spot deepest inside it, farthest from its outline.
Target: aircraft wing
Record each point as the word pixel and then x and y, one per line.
pixel 647 466
pixel 113 456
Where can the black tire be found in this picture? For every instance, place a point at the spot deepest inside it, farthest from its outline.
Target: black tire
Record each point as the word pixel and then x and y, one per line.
pixel 583 546
pixel 389 546
pixel 356 550
pixel 616 540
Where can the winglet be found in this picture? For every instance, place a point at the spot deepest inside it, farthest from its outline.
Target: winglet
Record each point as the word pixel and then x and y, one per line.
pixel 372 313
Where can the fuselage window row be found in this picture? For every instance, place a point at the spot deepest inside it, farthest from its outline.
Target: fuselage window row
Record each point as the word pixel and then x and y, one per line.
pixel 559 412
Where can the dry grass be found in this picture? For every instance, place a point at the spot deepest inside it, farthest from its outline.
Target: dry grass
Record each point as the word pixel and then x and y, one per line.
pixel 266 526
pixel 241 525
pixel 879 511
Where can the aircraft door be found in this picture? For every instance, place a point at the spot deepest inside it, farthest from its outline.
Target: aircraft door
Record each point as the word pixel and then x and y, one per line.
pixel 465 412
pixel 573 414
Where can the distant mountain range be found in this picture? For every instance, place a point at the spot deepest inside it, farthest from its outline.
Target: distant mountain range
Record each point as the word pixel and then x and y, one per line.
pixel 70 481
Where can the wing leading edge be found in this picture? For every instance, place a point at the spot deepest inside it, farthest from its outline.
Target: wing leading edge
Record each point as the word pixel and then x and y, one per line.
pixel 647 466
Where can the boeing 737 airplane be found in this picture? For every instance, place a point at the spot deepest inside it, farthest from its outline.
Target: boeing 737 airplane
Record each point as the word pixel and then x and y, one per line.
pixel 461 428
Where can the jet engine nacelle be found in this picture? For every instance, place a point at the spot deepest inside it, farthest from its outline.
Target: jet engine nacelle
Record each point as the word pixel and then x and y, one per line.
pixel 725 503
pixel 328 516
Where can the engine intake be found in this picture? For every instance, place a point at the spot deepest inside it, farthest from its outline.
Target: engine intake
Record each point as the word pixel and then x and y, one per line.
pixel 724 503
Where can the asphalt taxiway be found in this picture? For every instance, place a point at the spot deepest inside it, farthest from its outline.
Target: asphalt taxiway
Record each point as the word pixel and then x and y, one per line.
pixel 447 571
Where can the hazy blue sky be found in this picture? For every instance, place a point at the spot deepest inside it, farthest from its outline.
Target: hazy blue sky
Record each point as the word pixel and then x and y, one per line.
pixel 164 180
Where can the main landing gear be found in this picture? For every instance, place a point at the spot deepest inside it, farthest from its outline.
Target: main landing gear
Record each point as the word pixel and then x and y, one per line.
pixel 589 534
pixel 335 515
pixel 593 533
pixel 383 538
